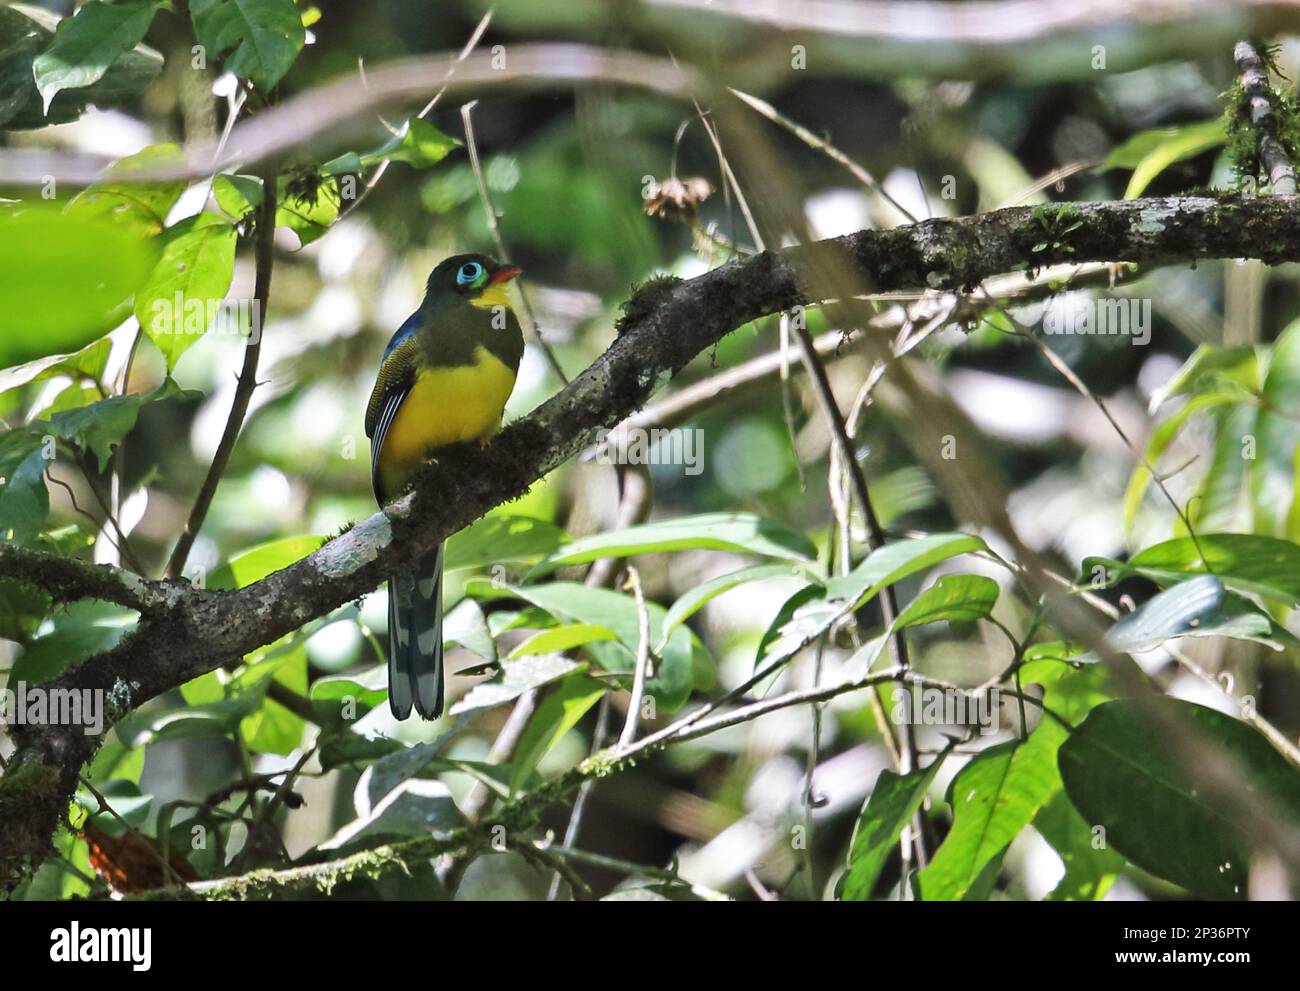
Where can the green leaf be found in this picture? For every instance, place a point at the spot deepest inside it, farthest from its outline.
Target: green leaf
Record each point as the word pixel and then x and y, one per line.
pixel 65 279
pixel 562 638
pixel 1277 429
pixel 1120 774
pixel 571 602
pixel 813 610
pixel 891 805
pixel 740 533
pixel 115 760
pixel 237 195
pixel 689 603
pixel 23 607
pixel 184 292
pixel 349 163
pixel 516 677
pixel 308 214
pixel 993 798
pixel 1212 369
pixel 271 728
pixel 1198 607
pixel 558 713
pixel 1161 437
pixel 1245 563
pixel 1061 651
pixel 306 208
pixel 186 719
pixel 257 562
pixel 1151 152
pixel 361 691
pixel 343 748
pixel 76 632
pixel 501 540
pixel 86 44
pixel 24 500
pixel 86 365
pixel 1090 866
pixel 467 626
pixel 140 206
pixel 267 36
pixel 100 426
pixel 1223 503
pixel 25 33
pixel 418 143
pixel 952 599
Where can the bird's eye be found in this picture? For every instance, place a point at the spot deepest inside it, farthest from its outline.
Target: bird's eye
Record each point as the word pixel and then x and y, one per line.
pixel 468 273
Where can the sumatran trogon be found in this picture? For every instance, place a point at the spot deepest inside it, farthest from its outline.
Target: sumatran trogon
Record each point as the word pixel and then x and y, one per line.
pixel 445 378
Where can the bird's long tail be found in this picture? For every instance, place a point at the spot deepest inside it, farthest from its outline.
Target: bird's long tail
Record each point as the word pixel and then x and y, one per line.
pixel 415 639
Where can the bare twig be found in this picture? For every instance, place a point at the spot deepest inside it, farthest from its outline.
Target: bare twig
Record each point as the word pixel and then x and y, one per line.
pixel 265 241
pixel 494 225
pixel 469 47
pixel 642 661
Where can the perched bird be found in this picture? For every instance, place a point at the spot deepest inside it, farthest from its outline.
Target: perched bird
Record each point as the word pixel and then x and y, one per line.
pixel 445 378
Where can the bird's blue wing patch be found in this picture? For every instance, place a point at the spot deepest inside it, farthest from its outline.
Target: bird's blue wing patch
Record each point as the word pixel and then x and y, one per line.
pixel 404 332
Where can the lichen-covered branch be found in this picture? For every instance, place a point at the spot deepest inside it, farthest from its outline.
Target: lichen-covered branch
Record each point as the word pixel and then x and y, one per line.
pixel 186 632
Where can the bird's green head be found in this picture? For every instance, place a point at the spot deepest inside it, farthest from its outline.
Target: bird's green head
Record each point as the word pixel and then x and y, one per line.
pixel 477 279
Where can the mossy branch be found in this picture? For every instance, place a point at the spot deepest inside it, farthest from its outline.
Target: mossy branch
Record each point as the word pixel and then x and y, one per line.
pixel 186 632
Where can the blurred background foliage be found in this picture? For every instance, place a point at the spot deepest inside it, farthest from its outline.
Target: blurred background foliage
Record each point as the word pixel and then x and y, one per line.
pixel 568 168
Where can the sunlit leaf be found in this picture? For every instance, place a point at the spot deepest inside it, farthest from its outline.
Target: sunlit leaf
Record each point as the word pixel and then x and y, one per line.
pixel 1151 152
pixel 993 798
pixel 65 280
pixel 558 713
pixel 815 609
pixel 1245 563
pixel 516 677
pixel 257 562
pixel 889 808
pixel 183 294
pixel 562 638
pixel 417 143
pixel 141 206
pixel 740 533
pixel 689 603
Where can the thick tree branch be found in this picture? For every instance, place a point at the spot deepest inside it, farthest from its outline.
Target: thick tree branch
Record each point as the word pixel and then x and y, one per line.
pixel 1026 40
pixel 665 326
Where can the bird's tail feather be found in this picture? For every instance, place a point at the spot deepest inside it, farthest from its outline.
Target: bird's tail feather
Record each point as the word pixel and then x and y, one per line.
pixel 415 639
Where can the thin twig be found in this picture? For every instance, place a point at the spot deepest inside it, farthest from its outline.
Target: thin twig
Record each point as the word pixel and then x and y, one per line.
pixel 265 242
pixel 148 844
pixel 584 792
pixel 470 45
pixel 642 660
pixel 494 225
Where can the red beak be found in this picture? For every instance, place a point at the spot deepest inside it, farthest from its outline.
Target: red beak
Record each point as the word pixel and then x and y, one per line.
pixel 504 274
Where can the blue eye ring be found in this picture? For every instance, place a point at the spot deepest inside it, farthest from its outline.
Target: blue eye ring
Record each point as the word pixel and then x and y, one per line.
pixel 469 273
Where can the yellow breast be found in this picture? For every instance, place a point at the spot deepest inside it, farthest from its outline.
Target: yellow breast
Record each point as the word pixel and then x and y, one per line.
pixel 445 406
